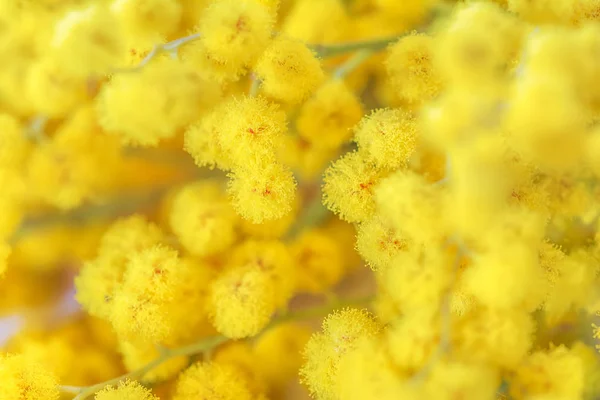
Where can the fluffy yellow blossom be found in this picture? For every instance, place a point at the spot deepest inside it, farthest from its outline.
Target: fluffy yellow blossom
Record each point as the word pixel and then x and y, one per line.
pixel 289 71
pixel 417 279
pixel 147 22
pixel 83 45
pixel 203 219
pixel 366 371
pixel 413 340
pixel 349 185
pixel 555 373
pixel 77 340
pixel 242 301
pixel 208 66
pixel 317 21
pixel 378 243
pixel 479 183
pixel 319 261
pixel 146 107
pixel 495 337
pixel 24 380
pixel 70 169
pixel 211 380
pixel 399 196
pixel 450 380
pixel 389 136
pixel 287 339
pixel 100 278
pixel 478 44
pixel 274 228
pixel 326 118
pixel 410 65
pixel 126 390
pixel 236 32
pixel 542 139
pixel 591 366
pixel 140 305
pixel 512 268
pixel 241 356
pixel 459 114
pixel 571 284
pixel 450 146
pixel 51 91
pixel 273 258
pixel 541 11
pixel 341 333
pixel 262 193
pixel 202 140
pixel 252 129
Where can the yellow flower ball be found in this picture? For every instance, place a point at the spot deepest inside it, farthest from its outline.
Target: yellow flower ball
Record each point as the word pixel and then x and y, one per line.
pixel 289 71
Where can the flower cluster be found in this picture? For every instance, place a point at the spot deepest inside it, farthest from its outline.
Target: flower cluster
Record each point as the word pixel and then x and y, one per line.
pixel 183 180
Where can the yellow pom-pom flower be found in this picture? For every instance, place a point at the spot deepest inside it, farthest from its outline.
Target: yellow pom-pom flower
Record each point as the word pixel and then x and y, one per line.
pixel 319 261
pixel 211 381
pixel 411 68
pixel 51 91
pixel 412 205
pixel 236 31
pixel 389 136
pixel 413 339
pixel 378 243
pixel 203 219
pixel 262 193
pixel 252 129
pixel 202 140
pixel 289 71
pixel 208 66
pixel 495 337
pixel 154 104
pixel 287 338
pixel 326 118
pixel 24 380
pixel 478 45
pixel 83 45
pixel 457 379
pixel 126 390
pixel 273 258
pixel 242 301
pixel 349 185
pixel 140 305
pixel 342 331
pixel 147 22
pixel 557 373
pixel 98 279
pixel 418 278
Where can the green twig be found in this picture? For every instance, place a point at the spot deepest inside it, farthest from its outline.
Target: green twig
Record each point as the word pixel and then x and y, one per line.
pixel 353 62
pixel 331 50
pixel 207 344
pixel 255 86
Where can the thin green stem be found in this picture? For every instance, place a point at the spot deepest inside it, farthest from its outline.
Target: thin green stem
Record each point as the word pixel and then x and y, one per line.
pixel 255 86
pixel 170 48
pixel 331 50
pixel 353 62
pixel 207 344
pixel 70 389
